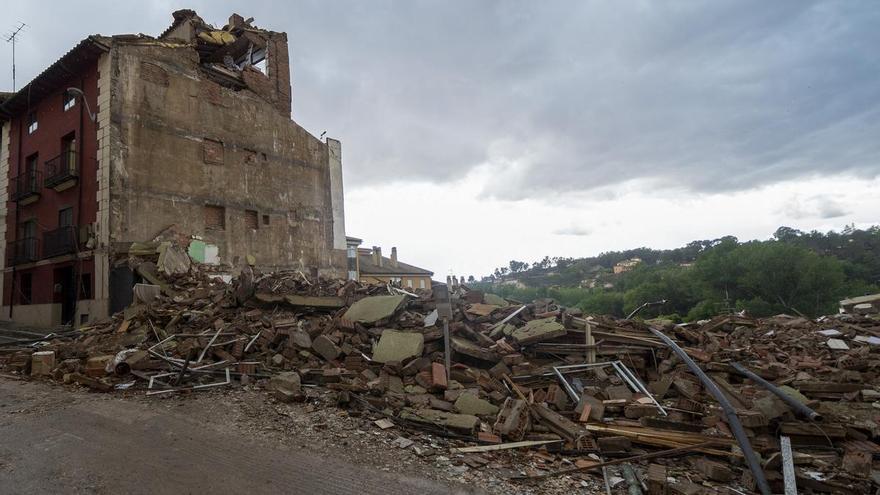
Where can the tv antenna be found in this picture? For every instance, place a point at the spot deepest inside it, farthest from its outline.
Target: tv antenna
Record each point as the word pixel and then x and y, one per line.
pixel 12 38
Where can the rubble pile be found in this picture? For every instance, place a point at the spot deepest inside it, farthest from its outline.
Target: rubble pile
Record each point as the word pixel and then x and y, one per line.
pixel 544 390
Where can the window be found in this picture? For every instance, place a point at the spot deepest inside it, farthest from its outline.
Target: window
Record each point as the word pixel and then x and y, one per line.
pixel 85 286
pixel 30 165
pixel 421 283
pixel 26 291
pixel 32 122
pixel 250 219
pixel 65 217
pixel 69 100
pixel 409 283
pixel 255 58
pixel 265 219
pixel 27 229
pixel 215 217
pixel 213 150
pixel 68 152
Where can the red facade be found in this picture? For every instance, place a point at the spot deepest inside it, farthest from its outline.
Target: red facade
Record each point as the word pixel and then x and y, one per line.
pixel 47 258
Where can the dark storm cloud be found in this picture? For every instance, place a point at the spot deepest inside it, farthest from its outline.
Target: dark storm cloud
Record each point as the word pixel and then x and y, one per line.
pixel 558 97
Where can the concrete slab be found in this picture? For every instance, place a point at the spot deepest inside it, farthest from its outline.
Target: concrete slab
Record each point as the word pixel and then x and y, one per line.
pixel 374 309
pixel 398 346
pixel 538 331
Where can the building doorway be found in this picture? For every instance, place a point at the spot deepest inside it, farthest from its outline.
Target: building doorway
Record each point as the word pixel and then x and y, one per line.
pixel 65 292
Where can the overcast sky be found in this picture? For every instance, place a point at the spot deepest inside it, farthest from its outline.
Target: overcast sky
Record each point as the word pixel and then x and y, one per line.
pixel 479 132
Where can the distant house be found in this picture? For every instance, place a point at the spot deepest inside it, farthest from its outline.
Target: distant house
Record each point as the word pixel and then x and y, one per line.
pixel 626 265
pixel 369 266
pixel 514 283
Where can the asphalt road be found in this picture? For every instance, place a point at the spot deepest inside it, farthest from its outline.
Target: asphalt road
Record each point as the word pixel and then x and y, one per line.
pixel 54 441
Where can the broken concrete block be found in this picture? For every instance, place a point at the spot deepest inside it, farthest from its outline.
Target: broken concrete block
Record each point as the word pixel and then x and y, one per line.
pixel 471 404
pixel 460 422
pixel 559 424
pixel 614 444
pixel 398 346
pixel 468 348
pixel 513 359
pixel 415 366
pixel 619 392
pixel 42 363
pixel 289 381
pixel 92 383
pixel 146 293
pixel 173 260
pixel 597 407
pixel 326 348
pixel 857 463
pixel 538 331
pixel 374 309
pixel 97 365
pixel 301 339
pixel 714 470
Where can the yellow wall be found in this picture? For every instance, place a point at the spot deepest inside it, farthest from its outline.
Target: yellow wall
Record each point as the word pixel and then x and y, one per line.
pixel 406 281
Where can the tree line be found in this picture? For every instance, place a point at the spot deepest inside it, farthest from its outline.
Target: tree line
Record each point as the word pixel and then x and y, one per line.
pixel 794 272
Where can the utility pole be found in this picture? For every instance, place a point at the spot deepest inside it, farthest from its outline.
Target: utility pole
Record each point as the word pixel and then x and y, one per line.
pixel 12 38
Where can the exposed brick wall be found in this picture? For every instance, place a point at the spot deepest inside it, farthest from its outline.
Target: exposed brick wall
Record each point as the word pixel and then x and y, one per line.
pixel 154 74
pixel 250 219
pixel 213 151
pixel 278 67
pixel 275 85
pixel 215 217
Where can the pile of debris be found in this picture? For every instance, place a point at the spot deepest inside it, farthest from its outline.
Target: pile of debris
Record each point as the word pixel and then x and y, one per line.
pixel 757 405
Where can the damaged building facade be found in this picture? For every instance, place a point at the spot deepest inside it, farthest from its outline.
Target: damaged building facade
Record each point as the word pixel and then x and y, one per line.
pixel 131 139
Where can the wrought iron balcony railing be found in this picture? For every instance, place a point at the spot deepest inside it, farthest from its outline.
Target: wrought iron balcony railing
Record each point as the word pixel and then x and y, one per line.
pixel 23 251
pixel 59 241
pixel 62 171
pixel 26 187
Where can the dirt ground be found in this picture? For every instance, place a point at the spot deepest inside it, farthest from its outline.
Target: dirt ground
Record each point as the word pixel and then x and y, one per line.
pixel 60 439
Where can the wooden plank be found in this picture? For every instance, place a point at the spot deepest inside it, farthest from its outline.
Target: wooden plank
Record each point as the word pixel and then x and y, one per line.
pixel 503 446
pixel 642 457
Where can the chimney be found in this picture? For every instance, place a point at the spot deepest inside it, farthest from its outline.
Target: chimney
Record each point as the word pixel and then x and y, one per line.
pixel 377 256
pixel 394 257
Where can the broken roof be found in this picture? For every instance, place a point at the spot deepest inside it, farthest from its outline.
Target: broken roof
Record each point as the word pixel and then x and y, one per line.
pixel 48 81
pixel 368 267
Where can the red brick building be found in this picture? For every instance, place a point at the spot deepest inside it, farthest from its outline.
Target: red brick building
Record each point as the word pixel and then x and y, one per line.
pixel 48 153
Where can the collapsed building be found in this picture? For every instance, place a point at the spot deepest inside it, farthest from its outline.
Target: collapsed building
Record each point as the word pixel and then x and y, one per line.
pixel 468 381
pixel 185 136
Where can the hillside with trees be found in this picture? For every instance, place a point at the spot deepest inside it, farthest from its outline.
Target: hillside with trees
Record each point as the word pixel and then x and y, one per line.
pixel 794 272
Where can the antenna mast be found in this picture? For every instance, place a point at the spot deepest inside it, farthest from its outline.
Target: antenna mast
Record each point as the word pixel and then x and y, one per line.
pixel 12 38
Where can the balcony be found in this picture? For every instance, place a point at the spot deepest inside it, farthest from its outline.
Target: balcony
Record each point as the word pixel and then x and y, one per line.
pixel 59 241
pixel 62 172
pixel 23 251
pixel 26 188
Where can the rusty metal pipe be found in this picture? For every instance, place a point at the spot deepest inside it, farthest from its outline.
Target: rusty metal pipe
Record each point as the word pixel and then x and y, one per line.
pixel 790 401
pixel 732 419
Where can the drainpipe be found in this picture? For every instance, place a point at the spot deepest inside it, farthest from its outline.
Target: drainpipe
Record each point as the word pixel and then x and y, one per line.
pixel 77 274
pixel 732 419
pixel 15 224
